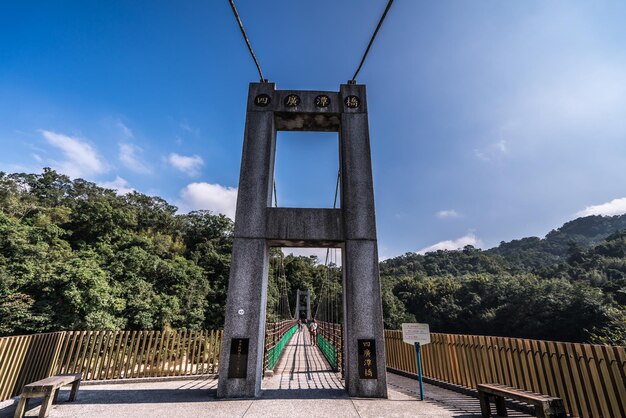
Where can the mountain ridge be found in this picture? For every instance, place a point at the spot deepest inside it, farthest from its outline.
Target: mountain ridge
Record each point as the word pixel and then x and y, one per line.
pixel 533 252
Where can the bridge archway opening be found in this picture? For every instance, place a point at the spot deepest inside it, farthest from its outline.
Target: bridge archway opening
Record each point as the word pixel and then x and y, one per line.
pixel 305 170
pixel 305 361
pixel 312 274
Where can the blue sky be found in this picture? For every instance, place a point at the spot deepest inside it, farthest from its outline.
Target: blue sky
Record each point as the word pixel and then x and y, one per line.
pixel 489 120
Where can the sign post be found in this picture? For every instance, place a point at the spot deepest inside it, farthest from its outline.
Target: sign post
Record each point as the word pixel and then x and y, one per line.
pixel 419 369
pixel 417 334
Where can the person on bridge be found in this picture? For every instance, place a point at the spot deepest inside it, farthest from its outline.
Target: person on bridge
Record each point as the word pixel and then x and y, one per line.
pixel 313 330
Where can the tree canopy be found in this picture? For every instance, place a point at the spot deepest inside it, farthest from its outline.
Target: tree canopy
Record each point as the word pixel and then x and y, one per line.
pixel 74 255
pixel 525 288
pixel 77 256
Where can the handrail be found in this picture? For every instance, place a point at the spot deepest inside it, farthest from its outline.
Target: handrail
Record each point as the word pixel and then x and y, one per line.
pixel 106 355
pixel 275 340
pixel 330 341
pixel 591 379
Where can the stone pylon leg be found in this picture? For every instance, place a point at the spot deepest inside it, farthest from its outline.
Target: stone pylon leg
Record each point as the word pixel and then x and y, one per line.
pixel 241 358
pixel 308 304
pixel 297 315
pixel 245 318
pixel 363 319
pixel 364 343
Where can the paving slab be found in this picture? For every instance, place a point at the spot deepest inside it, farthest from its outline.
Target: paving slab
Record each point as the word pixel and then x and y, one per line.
pixel 197 398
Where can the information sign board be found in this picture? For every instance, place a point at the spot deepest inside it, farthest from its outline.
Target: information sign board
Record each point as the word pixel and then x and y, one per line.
pixel 415 333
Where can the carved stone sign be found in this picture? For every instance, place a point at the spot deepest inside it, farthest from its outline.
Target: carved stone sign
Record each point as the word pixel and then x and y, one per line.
pixel 352 102
pixel 262 100
pixel 238 366
pixel 292 100
pixel 322 101
pixel 367 359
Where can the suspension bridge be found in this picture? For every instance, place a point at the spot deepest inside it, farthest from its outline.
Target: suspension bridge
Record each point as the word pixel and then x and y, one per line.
pixel 313 351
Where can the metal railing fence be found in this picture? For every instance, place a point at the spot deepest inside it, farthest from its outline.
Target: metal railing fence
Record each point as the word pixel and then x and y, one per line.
pixel 26 358
pixel 106 355
pixel 591 379
pixel 277 335
pixel 330 341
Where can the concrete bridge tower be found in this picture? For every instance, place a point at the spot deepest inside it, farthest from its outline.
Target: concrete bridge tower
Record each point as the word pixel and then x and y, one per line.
pixel 303 312
pixel 258 226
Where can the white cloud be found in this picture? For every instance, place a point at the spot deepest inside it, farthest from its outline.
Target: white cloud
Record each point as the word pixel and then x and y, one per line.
pixel 469 239
pixel 500 146
pixel 126 131
pixel 188 165
pixel 493 152
pixel 81 159
pixel 383 253
pixel 129 156
pixel 207 196
pixel 447 214
pixel 187 127
pixel 614 207
pixel 37 157
pixel 120 185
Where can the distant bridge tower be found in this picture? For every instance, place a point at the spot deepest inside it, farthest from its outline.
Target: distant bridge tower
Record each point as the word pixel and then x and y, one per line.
pixel 259 226
pixel 303 311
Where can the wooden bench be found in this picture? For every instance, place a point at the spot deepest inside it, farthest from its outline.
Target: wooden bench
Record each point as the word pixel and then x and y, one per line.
pixel 545 406
pixel 48 389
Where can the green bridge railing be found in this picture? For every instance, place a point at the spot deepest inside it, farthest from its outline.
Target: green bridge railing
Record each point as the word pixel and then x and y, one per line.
pixel 329 351
pixel 274 351
pixel 330 341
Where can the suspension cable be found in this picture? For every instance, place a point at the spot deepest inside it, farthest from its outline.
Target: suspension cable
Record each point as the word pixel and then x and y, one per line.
pixel 276 303
pixel 337 189
pixel 285 287
pixel 245 38
pixel 380 23
pixel 326 283
pixel 256 61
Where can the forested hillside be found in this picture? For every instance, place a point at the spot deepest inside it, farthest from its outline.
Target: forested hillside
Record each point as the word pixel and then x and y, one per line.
pixel 74 255
pixel 570 286
pixel 531 253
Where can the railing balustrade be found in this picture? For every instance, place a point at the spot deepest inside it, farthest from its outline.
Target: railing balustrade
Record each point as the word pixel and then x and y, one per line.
pixel 330 341
pixel 106 355
pixel 591 379
pixel 277 335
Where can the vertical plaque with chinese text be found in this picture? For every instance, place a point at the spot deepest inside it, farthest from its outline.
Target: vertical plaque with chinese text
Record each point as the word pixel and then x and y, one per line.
pixel 367 359
pixel 238 366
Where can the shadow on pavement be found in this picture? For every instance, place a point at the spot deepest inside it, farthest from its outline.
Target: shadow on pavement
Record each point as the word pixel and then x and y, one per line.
pixel 304 394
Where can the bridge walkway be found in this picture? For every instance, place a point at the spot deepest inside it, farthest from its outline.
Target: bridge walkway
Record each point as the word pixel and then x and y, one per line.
pixel 303 367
